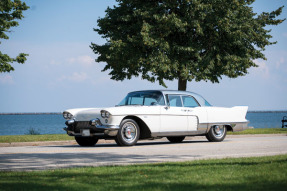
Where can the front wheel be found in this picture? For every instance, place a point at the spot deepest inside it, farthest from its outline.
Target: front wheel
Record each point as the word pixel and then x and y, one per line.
pixel 216 133
pixel 178 139
pixel 86 141
pixel 128 134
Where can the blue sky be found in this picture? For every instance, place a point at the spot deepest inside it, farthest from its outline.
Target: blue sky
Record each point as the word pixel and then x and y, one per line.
pixel 61 73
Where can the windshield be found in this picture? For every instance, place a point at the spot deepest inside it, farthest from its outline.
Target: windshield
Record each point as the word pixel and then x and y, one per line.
pixel 143 98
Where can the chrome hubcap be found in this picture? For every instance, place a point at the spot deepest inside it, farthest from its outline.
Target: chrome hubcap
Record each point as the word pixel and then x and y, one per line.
pixel 218 130
pixel 129 132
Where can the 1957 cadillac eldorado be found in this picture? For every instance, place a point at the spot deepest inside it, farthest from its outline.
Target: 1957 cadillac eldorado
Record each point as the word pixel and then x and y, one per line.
pixel 154 114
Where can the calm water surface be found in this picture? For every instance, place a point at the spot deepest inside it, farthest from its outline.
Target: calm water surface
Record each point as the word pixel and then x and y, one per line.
pixel 54 123
pixel 21 124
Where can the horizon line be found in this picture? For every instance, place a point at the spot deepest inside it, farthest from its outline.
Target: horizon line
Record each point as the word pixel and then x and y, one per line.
pixel 59 113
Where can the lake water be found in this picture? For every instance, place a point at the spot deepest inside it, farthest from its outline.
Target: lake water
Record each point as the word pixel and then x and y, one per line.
pixel 54 123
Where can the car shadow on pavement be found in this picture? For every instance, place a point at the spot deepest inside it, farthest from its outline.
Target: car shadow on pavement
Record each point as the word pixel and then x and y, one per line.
pixel 139 144
pixel 67 159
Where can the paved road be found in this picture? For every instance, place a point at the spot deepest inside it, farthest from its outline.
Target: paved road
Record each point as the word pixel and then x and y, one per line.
pixel 60 156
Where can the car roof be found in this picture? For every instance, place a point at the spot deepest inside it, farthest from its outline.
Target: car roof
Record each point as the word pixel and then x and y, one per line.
pixel 177 92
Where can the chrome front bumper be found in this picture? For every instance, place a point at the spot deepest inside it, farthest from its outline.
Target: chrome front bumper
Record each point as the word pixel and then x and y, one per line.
pixel 94 124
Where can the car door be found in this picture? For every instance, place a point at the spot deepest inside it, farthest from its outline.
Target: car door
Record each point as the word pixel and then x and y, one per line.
pixel 191 105
pixel 174 117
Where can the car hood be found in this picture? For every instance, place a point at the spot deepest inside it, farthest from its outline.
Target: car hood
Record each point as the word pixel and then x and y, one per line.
pixel 83 114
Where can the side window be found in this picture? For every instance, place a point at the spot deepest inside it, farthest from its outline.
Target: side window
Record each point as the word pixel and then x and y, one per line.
pixel 161 101
pixel 189 101
pixel 174 100
pixel 135 101
pixel 149 101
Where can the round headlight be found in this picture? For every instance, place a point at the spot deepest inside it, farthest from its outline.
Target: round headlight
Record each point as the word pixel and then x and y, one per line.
pixel 70 116
pixel 103 114
pixel 65 115
pixel 107 114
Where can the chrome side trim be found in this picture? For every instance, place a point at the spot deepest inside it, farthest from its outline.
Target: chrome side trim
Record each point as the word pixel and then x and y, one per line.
pixel 236 126
pixel 240 126
pixel 202 127
pixel 108 127
pixel 178 133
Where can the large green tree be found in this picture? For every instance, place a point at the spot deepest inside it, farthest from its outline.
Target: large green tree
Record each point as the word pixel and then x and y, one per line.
pixel 183 39
pixel 10 11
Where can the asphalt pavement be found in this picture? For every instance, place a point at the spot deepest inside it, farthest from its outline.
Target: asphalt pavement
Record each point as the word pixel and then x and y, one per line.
pixel 52 155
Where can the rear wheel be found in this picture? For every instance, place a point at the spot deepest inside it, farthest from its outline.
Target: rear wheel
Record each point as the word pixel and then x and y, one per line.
pixel 178 139
pixel 86 141
pixel 216 133
pixel 128 134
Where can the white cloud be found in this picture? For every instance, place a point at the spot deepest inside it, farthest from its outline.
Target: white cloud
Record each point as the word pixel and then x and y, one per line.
pixel 79 77
pixel 262 69
pixel 75 77
pixel 54 62
pixel 280 62
pixel 84 60
pixel 6 79
pixel 71 60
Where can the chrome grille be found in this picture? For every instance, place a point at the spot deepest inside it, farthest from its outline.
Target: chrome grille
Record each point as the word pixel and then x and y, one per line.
pixel 82 124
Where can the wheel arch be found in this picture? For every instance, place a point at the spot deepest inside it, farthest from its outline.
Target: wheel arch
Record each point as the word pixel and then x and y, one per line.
pixel 144 129
pixel 228 127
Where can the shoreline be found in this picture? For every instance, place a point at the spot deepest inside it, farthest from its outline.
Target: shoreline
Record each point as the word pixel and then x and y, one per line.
pixel 60 113
pixel 35 113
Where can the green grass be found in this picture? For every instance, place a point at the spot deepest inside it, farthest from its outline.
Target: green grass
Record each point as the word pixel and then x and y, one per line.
pixel 34 138
pixel 260 131
pixel 262 173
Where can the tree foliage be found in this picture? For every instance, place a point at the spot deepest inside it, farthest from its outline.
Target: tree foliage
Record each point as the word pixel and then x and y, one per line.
pixel 183 39
pixel 9 12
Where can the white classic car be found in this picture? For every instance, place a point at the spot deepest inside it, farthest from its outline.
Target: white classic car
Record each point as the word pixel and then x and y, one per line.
pixel 154 114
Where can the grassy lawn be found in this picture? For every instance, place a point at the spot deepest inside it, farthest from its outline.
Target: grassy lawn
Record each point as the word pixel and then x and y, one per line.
pixel 34 138
pixel 260 131
pixel 258 173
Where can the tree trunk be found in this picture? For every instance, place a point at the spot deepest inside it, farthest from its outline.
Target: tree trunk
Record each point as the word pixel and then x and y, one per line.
pixel 182 84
